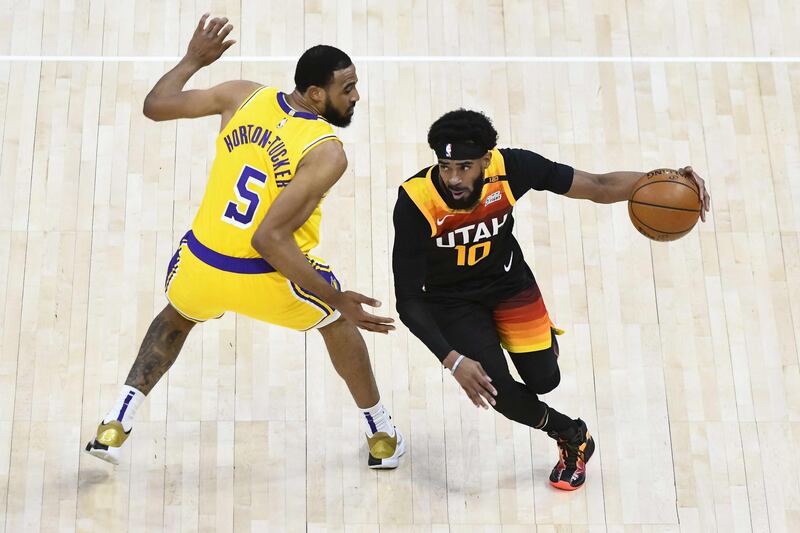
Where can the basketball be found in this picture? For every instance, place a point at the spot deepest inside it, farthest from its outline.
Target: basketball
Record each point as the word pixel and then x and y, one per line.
pixel 664 205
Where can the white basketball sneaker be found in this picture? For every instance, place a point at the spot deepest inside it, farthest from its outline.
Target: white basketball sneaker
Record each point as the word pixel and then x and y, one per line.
pixel 107 444
pixel 385 451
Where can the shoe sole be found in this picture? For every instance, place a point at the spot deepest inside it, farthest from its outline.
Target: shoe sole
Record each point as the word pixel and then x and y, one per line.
pixel 564 485
pixel 109 455
pixel 390 463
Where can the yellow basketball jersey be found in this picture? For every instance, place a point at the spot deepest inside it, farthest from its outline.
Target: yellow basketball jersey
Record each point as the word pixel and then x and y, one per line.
pixel 257 156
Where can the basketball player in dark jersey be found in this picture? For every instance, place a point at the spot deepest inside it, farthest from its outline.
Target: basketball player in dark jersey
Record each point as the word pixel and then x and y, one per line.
pixel 463 287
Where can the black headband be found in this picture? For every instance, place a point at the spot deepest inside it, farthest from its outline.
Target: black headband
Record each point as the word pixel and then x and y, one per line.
pixel 459 151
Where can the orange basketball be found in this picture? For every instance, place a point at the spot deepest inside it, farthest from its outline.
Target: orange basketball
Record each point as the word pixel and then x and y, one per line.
pixel 664 205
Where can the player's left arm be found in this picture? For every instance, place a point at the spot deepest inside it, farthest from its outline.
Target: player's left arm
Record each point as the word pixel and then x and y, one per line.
pixel 274 239
pixel 618 186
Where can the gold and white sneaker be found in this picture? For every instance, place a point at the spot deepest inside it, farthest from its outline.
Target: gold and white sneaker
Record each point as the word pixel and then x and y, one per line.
pixel 107 444
pixel 385 451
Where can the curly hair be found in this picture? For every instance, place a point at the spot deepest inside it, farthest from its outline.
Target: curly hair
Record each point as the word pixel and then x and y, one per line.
pixel 463 125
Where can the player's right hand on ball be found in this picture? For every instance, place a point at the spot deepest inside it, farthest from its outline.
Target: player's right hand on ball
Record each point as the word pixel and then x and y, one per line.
pixel 349 304
pixel 475 382
pixel 208 42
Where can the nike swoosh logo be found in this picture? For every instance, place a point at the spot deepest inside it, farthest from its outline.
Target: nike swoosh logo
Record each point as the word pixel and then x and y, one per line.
pixel 440 220
pixel 508 266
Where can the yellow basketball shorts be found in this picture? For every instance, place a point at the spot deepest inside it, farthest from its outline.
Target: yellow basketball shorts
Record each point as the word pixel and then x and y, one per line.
pixel 203 284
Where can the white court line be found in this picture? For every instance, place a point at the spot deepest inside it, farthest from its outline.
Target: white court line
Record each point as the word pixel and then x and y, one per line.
pixel 423 59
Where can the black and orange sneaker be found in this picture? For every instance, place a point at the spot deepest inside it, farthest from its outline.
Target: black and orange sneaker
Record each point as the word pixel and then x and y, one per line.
pixel 575 447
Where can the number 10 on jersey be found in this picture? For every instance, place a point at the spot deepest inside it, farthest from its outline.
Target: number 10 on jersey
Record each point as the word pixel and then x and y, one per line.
pixel 470 255
pixel 247 199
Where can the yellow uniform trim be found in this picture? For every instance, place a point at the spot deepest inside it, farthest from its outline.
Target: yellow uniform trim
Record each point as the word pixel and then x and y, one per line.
pixel 433 194
pixel 425 194
pixel 312 297
pixel 250 97
pixel 320 140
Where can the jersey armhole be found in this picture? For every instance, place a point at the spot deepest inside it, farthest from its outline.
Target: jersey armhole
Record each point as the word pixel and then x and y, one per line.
pixel 316 142
pixel 249 99
pixel 507 187
pixel 319 140
pixel 498 165
pixel 421 207
pixel 241 106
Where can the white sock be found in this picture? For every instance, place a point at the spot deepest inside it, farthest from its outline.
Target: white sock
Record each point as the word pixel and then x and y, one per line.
pixel 377 419
pixel 125 409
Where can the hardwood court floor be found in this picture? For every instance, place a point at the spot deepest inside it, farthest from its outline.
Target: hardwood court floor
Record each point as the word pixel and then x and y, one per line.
pixel 681 357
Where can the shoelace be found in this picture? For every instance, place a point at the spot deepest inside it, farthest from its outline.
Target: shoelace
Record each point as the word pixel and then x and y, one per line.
pixel 570 459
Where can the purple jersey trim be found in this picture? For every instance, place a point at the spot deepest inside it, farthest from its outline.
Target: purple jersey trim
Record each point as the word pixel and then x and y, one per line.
pixel 290 111
pixel 238 265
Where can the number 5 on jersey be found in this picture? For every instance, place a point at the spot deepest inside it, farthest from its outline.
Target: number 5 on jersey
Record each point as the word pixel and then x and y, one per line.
pixel 247 199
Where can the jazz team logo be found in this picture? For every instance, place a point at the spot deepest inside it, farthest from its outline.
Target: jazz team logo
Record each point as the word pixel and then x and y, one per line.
pixel 492 198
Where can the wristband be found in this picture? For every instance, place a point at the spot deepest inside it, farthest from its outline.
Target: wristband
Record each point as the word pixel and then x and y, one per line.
pixel 455 365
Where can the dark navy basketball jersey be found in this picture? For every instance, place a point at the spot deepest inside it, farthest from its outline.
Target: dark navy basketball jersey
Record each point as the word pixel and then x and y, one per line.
pixel 441 252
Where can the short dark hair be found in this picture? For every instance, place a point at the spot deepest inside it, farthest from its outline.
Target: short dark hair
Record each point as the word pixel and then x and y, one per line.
pixel 463 125
pixel 317 65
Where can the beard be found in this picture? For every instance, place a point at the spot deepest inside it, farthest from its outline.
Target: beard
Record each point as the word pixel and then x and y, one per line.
pixel 467 202
pixel 340 120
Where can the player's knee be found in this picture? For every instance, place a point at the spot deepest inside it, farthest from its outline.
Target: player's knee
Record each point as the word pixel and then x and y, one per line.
pixel 174 319
pixel 338 327
pixel 539 370
pixel 543 386
pixel 344 342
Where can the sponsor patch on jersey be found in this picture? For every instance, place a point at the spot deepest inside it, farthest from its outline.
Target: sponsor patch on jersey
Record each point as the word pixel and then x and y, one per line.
pixel 492 198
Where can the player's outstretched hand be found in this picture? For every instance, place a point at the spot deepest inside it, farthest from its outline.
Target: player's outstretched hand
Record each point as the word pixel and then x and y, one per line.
pixel 349 304
pixel 475 382
pixel 705 199
pixel 208 42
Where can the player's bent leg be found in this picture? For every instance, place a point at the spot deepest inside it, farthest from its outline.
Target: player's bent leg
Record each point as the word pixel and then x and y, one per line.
pixel 575 445
pixel 274 299
pixel 514 400
pixel 350 358
pixel 518 402
pixel 522 326
pixel 159 349
pixel 546 384
pixel 539 370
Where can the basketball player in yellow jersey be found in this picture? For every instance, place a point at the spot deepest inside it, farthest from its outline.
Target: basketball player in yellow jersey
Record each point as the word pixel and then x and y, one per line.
pixel 248 248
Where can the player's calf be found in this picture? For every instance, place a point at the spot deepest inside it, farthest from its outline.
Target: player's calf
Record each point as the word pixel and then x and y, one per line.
pixel 160 347
pixel 350 358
